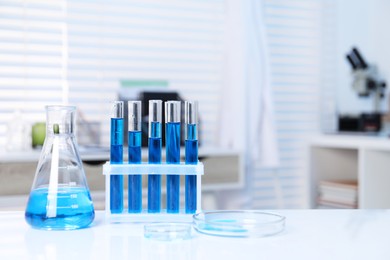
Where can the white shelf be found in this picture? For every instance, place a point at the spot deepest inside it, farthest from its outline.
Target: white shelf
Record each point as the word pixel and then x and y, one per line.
pixel 33 155
pixel 362 158
pixel 103 154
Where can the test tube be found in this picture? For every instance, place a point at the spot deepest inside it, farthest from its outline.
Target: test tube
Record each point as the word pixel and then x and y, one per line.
pixel 116 156
pixel 154 181
pixel 134 149
pixel 191 153
pixel 172 141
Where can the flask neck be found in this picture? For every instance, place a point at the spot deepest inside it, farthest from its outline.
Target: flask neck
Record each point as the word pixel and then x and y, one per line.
pixel 60 119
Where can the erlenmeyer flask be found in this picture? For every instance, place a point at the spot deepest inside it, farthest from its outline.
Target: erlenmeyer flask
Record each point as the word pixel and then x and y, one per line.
pixel 60 197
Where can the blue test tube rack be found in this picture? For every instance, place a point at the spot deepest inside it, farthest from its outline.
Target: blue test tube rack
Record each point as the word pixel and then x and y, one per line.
pixel 150 169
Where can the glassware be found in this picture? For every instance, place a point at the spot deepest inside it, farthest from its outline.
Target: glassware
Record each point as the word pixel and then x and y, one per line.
pixel 116 156
pixel 168 231
pixel 191 153
pixel 17 133
pixel 172 137
pixel 239 223
pixel 154 149
pixel 59 197
pixel 134 153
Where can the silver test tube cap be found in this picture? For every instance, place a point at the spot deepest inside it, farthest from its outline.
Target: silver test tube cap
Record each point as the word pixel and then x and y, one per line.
pixel 155 108
pixel 117 109
pixel 172 112
pixel 134 109
pixel 191 112
pixel 155 116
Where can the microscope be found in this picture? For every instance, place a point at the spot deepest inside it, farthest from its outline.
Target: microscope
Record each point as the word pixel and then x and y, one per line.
pixel 366 83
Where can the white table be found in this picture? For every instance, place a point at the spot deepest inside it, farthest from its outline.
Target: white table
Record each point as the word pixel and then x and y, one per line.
pixel 309 234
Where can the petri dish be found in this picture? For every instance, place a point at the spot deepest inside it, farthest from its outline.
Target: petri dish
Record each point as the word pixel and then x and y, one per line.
pixel 240 223
pixel 168 231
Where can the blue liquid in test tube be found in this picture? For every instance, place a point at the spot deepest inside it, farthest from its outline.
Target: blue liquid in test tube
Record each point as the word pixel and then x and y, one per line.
pixel 154 180
pixel 191 154
pixel 172 135
pixel 134 149
pixel 116 157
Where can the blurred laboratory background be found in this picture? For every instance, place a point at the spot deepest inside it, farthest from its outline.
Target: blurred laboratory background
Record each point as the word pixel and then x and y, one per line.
pixel 293 96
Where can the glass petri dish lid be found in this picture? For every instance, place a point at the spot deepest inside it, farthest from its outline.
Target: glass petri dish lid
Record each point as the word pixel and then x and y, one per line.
pixel 168 231
pixel 240 223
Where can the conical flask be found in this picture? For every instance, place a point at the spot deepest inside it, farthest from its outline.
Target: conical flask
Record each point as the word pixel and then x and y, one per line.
pixel 59 197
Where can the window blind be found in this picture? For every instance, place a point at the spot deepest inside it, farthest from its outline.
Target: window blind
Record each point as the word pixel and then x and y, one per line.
pixel 31 59
pixel 78 52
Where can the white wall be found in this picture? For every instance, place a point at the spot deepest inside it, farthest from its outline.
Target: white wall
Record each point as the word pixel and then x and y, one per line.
pixel 363 24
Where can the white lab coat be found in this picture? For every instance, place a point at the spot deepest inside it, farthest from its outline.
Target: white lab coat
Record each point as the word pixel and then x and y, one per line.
pixel 258 113
pixel 247 117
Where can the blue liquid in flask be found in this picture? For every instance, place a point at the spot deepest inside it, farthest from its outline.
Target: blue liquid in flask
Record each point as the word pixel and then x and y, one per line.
pixel 74 209
pixel 135 181
pixel 173 156
pixel 154 181
pixel 116 157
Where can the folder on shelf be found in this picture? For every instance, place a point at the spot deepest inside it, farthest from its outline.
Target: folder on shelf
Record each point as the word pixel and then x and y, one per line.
pixel 338 193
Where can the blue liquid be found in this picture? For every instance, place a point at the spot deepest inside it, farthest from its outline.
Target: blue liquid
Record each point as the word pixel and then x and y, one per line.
pixel 154 181
pixel 74 209
pixel 116 157
pixel 172 135
pixel 191 157
pixel 135 181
